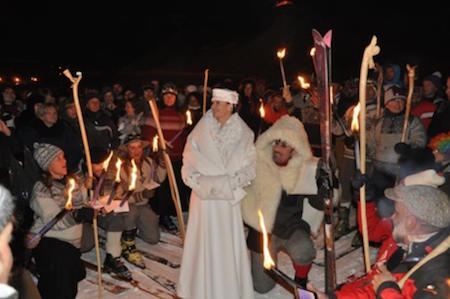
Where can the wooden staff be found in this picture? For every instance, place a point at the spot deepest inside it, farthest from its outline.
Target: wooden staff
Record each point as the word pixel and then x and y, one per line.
pixel 379 87
pixel 205 90
pixel 170 174
pixel 435 252
pixel 371 50
pixel 411 74
pixel 75 82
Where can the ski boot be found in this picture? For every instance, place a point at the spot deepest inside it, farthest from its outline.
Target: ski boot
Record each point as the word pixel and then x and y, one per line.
pixel 341 228
pixel 116 266
pixel 129 250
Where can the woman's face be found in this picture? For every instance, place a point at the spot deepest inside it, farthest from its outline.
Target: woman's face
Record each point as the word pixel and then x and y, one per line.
pixel 129 109
pixel 50 116
pixel 169 99
pixel 396 105
pixel 58 167
pixel 221 111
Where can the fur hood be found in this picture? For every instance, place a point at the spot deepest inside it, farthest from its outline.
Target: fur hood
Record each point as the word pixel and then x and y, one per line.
pixel 297 177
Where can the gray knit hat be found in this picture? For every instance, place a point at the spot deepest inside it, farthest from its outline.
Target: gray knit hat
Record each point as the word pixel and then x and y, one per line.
pixel 6 207
pixel 45 153
pixel 428 203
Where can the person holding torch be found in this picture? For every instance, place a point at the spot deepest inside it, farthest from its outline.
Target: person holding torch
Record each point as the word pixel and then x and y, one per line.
pixel 57 253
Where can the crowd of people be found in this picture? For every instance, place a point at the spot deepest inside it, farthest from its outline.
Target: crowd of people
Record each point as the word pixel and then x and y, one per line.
pixel 255 148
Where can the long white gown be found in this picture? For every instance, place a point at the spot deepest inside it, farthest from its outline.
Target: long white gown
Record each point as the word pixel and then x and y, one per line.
pixel 217 163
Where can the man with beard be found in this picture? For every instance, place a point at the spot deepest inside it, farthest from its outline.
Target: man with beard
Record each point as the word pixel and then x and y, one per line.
pixel 421 222
pixel 286 193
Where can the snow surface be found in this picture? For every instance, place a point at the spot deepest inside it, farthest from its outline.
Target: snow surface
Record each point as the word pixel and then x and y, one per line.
pixel 170 248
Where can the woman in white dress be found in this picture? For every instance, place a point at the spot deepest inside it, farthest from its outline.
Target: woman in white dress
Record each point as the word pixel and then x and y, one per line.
pixel 218 161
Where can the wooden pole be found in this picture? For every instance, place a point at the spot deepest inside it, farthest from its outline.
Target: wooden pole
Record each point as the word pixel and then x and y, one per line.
pixel 379 88
pixel 411 74
pixel 205 90
pixel 170 174
pixel 367 61
pixel 75 82
pixel 435 252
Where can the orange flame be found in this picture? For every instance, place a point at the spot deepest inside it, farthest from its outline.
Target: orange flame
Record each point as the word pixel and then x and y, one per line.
pixel 188 117
pixel 303 83
pixel 281 53
pixel 262 113
pixel 268 261
pixel 118 165
pixel 132 185
pixel 69 194
pixel 312 52
pixel 331 95
pixel 106 162
pixel 355 124
pixel 155 143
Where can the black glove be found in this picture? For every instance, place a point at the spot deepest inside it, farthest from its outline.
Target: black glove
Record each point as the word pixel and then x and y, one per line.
pixel 83 215
pixel 358 180
pixel 323 181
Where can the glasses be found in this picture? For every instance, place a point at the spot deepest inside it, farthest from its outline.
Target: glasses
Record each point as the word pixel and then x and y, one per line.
pixel 280 143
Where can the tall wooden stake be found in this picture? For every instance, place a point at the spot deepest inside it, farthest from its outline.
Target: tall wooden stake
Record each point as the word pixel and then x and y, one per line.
pixel 205 90
pixel 371 50
pixel 170 174
pixel 411 74
pixel 75 82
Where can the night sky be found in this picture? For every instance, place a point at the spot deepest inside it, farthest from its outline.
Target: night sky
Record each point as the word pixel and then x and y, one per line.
pixel 171 39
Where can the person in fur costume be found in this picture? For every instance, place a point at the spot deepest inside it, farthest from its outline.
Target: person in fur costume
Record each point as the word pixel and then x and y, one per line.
pixel 285 191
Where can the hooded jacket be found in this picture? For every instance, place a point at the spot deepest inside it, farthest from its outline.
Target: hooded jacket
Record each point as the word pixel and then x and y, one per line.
pixel 297 177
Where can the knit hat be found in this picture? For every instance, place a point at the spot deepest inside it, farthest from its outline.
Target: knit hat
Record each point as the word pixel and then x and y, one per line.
pixel 99 154
pixel 435 78
pixel 427 203
pixel 225 95
pixel 392 93
pixel 6 207
pixel 45 153
pixel 169 88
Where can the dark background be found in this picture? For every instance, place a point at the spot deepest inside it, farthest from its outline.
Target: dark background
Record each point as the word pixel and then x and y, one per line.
pixel 135 41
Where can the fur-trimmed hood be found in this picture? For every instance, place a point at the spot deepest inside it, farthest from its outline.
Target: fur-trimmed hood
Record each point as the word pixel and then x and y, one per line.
pixel 297 177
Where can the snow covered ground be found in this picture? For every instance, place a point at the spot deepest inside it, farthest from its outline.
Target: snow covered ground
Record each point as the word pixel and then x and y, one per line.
pixel 160 276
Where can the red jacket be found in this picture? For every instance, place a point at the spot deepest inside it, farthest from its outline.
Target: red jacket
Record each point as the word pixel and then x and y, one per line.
pixel 424 110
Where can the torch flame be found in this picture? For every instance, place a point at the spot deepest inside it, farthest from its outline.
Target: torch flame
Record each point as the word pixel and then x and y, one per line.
pixel 355 124
pixel 331 95
pixel 106 162
pixel 303 84
pixel 281 53
pixel 188 117
pixel 312 52
pixel 155 143
pixel 132 185
pixel 262 113
pixel 268 261
pixel 69 194
pixel 118 165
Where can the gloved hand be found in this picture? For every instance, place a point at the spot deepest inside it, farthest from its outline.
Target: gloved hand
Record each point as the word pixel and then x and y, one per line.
pixel 83 215
pixel 89 182
pixel 358 180
pixel 323 181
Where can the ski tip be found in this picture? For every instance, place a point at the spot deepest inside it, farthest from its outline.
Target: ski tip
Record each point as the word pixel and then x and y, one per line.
pixel 327 38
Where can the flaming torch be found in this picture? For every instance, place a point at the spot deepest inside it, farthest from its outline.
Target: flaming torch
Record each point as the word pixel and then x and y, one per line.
pixel 59 216
pixel 303 83
pixel 116 181
pixel 281 53
pixel 188 118
pixel 262 114
pixel 269 264
pixel 101 180
pixel 132 185
pixel 155 143
pixel 355 130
